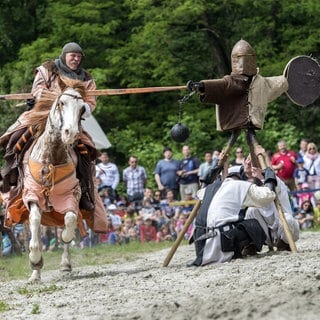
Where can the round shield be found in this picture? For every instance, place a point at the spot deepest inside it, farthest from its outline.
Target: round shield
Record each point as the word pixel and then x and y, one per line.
pixel 303 75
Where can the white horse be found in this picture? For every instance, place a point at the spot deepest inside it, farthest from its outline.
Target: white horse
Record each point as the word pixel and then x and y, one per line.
pixel 50 183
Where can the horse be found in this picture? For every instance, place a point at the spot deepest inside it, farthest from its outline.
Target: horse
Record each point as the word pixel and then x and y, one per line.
pixel 50 184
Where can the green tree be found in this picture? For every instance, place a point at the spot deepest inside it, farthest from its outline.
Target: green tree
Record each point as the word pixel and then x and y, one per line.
pixel 137 43
pixel 18 25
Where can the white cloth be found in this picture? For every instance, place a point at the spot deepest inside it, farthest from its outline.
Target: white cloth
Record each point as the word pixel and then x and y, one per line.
pixel 109 174
pixel 312 166
pixel 224 208
pixel 268 216
pixel 99 138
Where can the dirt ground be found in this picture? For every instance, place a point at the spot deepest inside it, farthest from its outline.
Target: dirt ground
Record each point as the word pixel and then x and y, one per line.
pixel 277 285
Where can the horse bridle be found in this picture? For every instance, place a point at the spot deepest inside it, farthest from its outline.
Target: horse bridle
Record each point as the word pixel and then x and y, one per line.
pixel 59 107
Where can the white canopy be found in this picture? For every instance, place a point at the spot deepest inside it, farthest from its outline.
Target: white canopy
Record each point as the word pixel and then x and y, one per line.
pixel 92 126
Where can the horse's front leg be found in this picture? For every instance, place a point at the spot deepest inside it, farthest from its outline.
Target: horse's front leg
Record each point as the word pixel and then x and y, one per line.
pixel 70 221
pixel 65 265
pixel 35 256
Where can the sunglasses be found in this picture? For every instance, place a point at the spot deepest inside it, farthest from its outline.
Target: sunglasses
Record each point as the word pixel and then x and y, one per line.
pixel 239 151
pixel 312 148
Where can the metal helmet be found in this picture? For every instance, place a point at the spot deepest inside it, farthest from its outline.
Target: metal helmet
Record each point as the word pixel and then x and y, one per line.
pixel 243 59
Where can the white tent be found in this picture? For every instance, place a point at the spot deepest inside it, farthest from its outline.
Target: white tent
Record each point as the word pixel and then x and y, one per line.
pixel 92 126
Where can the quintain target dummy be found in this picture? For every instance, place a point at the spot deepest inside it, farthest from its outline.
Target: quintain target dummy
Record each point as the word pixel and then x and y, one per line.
pixel 241 100
pixel 242 97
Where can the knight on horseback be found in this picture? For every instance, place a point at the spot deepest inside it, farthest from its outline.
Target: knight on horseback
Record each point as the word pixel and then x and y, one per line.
pixel 19 137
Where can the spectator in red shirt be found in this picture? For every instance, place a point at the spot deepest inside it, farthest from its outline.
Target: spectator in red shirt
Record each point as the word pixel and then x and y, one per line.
pixel 147 231
pixel 284 164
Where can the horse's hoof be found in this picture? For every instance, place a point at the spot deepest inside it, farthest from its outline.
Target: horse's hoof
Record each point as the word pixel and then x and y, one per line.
pixel 65 272
pixel 35 277
pixel 33 280
pixel 37 266
pixel 65 268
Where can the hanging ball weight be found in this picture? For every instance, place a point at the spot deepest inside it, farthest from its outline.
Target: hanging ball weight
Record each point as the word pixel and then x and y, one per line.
pixel 179 132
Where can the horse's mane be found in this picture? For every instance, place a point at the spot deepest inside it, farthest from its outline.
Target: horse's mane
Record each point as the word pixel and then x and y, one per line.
pixel 39 113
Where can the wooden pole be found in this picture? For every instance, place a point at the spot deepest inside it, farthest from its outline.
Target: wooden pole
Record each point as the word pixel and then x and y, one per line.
pixel 182 203
pixel 101 92
pixel 282 217
pixel 180 236
pixel 263 164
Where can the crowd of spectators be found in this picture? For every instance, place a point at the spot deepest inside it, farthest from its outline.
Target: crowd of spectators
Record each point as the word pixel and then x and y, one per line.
pixel 144 214
pixel 300 170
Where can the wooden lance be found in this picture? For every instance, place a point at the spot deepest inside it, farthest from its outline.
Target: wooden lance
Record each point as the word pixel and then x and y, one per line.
pixel 101 92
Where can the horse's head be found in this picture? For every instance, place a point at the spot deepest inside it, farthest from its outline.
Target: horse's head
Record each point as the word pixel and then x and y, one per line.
pixel 65 115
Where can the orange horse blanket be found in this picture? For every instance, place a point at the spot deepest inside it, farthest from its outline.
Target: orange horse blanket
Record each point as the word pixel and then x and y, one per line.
pixel 63 196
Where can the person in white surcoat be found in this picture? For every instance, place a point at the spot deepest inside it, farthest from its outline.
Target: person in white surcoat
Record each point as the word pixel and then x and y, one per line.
pixel 233 195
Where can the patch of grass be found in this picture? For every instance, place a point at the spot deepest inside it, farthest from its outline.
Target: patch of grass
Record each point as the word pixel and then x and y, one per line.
pixel 14 267
pixel 30 291
pixel 35 309
pixel 4 306
pixel 315 228
pixel 17 267
pixel 24 291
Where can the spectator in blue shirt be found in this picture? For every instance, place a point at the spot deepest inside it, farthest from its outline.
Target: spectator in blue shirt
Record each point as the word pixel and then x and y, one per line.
pixel 188 172
pixel 300 173
pixel 165 173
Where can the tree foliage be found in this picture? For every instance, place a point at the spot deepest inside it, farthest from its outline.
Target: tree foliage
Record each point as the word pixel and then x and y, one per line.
pixel 138 43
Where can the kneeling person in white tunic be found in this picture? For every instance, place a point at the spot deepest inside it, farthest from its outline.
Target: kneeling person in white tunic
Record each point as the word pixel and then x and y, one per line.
pixel 223 217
